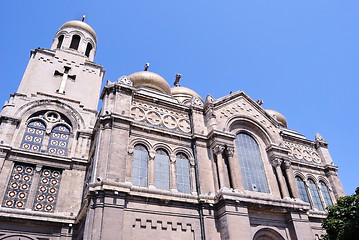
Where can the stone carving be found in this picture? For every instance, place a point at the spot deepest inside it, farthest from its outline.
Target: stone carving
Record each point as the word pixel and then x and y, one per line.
pixel 160 116
pixel 230 151
pixel 303 152
pixel 153 117
pixel 241 107
pixel 196 101
pixel 287 164
pixel 125 80
pixel 218 149
pixel 276 162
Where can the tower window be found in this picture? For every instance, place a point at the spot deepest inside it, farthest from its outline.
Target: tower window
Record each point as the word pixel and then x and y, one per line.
pixel 75 42
pixel 59 140
pixel 140 166
pixel 34 135
pixel 250 161
pixel 46 196
pixel 182 173
pixel 88 49
pixel 18 187
pixel 315 194
pixel 162 173
pixel 59 41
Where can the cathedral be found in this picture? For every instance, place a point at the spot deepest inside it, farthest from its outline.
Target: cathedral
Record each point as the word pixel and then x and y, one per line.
pixel 154 162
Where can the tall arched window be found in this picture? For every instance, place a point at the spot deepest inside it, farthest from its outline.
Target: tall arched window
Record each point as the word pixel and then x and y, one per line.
pixel 140 166
pixel 59 140
pixel 182 173
pixel 59 41
pixel 88 49
pixel 302 190
pixel 325 193
pixel 34 134
pixel 162 170
pixel 250 161
pixel 75 42
pixel 315 195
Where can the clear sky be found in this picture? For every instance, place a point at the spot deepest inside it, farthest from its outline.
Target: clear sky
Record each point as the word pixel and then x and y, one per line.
pixel 300 57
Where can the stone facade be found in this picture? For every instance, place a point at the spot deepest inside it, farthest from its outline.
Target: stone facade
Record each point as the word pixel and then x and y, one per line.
pixel 155 161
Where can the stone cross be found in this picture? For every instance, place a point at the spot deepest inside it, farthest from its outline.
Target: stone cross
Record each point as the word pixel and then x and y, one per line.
pixel 65 75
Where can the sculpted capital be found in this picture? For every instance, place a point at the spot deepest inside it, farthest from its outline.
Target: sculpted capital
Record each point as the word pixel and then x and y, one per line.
pixel 218 149
pixel 287 164
pixel 230 151
pixel 276 162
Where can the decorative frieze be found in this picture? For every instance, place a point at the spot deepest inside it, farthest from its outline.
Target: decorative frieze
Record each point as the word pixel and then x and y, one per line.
pixel 160 116
pixel 303 152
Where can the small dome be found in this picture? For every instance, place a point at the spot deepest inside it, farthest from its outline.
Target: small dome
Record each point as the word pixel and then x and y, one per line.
pixel 183 93
pixel 150 80
pixel 278 116
pixel 80 25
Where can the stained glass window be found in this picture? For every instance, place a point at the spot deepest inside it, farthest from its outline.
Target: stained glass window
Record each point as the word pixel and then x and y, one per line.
pixel 302 190
pixel 140 166
pixel 162 170
pixel 326 195
pixel 47 190
pixel 250 160
pixel 19 186
pixel 34 134
pixel 315 195
pixel 182 173
pixel 59 140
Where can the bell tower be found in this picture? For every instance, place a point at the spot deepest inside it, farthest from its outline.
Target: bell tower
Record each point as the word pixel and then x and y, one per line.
pixel 46 130
pixel 67 70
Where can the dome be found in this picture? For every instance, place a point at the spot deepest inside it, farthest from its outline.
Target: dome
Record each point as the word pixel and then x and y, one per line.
pixel 278 116
pixel 183 93
pixel 150 80
pixel 80 25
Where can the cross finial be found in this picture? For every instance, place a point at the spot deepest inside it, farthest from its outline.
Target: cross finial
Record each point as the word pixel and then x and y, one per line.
pixel 178 77
pixel 147 65
pixel 83 18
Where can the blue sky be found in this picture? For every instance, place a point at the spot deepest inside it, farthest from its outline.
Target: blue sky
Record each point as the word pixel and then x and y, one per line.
pixel 300 57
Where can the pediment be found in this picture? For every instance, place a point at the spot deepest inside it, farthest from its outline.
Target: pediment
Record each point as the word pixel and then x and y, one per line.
pixel 240 105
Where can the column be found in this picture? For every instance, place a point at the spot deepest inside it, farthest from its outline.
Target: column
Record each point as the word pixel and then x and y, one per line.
pixel 276 163
pixel 290 178
pixel 173 180
pixel 222 171
pixel 234 169
pixel 33 189
pixel 151 168
pixel 192 176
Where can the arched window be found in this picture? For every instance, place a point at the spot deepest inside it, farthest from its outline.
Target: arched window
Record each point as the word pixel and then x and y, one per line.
pixel 182 173
pixel 326 195
pixel 88 49
pixel 34 135
pixel 250 161
pixel 162 170
pixel 139 166
pixel 59 140
pixel 302 190
pixel 75 42
pixel 315 195
pixel 59 41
